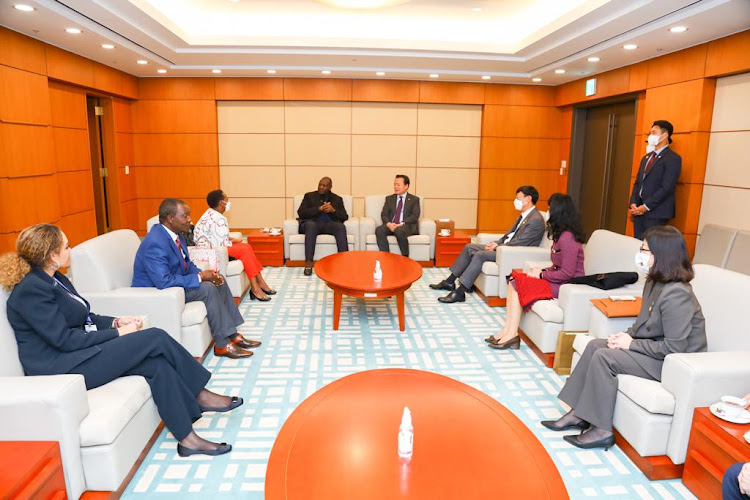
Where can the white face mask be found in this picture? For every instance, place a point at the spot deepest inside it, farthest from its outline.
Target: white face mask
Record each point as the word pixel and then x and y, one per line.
pixel 653 140
pixel 650 149
pixel 229 205
pixel 518 204
pixel 641 262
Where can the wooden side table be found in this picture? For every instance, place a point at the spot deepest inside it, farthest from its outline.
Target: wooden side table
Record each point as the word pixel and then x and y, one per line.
pixel 268 248
pixel 31 470
pixel 447 248
pixel 714 446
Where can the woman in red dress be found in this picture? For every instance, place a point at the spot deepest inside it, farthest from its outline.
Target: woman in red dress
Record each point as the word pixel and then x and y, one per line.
pixel 565 229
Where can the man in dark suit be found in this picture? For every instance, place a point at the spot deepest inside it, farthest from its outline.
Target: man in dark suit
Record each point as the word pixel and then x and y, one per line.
pixel 322 212
pixel 162 261
pixel 526 232
pixel 400 216
pixel 652 201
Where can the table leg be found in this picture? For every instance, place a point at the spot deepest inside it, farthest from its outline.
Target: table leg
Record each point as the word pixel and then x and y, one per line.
pixel 400 306
pixel 336 309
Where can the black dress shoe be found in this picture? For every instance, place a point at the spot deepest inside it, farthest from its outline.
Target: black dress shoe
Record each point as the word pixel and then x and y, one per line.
pixel 551 425
pixel 253 297
pixel 184 451
pixel 244 343
pixel 307 271
pixel 268 292
pixel 221 409
pixel 454 296
pixel 514 343
pixel 606 443
pixel 443 285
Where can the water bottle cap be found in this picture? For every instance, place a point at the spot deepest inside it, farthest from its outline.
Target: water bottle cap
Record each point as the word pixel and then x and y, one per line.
pixel 406 417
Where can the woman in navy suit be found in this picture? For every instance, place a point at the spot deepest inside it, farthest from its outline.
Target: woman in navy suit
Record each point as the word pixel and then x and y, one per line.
pixel 57 334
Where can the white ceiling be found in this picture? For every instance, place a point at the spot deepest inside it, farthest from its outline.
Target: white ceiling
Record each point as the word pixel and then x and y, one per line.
pixel 511 41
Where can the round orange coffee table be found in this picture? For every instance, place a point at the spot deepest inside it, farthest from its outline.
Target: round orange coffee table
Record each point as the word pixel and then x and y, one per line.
pixel 341 442
pixel 350 273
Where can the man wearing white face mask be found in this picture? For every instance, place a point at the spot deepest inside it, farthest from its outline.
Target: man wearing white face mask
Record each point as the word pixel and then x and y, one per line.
pixel 653 199
pixel 527 231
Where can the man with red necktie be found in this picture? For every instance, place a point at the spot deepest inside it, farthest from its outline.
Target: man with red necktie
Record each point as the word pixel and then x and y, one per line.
pixel 400 216
pixel 653 199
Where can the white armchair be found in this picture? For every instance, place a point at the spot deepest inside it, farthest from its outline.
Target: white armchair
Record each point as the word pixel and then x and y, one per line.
pixel 325 244
pixel 102 271
pixel 101 432
pixel 714 245
pixel 421 246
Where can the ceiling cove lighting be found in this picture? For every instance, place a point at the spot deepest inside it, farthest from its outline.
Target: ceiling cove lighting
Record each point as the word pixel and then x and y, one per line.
pixel 217 71
pixel 380 73
pixel 560 71
pixel 23 7
pixel 271 71
pixel 326 72
pixel 536 79
pixel 594 59
pixel 162 71
pixel 486 77
pixel 678 29
pixel 108 46
pixel 630 46
pixel 434 75
pixel 142 61
pixel 73 31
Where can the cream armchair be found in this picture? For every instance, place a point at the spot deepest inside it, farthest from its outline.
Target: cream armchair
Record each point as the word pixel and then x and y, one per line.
pixel 101 432
pixel 102 271
pixel 325 244
pixel 421 246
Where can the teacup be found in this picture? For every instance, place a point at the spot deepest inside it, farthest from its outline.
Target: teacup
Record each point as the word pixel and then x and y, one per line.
pixel 732 406
pixel 445 232
pixel 275 231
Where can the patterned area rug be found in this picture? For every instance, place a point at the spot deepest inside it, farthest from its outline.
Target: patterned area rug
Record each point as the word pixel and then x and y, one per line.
pixel 300 354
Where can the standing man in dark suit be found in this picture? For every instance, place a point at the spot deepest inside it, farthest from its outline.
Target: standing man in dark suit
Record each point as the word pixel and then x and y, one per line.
pixel 526 232
pixel 400 216
pixel 652 200
pixel 162 261
pixel 322 212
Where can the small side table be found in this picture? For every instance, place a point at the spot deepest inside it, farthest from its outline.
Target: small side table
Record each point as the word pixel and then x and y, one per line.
pixel 608 316
pixel 447 248
pixel 714 446
pixel 268 248
pixel 31 470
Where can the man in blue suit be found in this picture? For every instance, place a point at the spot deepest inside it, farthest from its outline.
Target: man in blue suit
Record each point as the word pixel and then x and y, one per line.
pixel 652 201
pixel 163 261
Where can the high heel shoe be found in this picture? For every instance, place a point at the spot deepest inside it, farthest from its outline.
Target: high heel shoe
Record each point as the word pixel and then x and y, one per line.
pixel 551 425
pixel 253 297
pixel 268 292
pixel 606 443
pixel 514 343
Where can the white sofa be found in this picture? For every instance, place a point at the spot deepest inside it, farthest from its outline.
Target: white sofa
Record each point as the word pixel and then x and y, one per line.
pixel 101 432
pixel 233 270
pixel 655 417
pixel 421 246
pixel 714 245
pixel 102 271
pixel 325 244
pixel 739 256
pixel 605 252
pixel 491 281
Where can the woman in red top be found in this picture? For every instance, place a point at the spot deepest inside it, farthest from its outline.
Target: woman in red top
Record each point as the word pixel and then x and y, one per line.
pixel 565 229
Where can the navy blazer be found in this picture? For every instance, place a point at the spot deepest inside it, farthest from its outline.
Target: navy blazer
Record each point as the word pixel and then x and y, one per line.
pixel 49 325
pixel 158 262
pixel 658 186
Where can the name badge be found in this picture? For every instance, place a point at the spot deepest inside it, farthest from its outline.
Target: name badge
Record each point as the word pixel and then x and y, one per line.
pixel 89 327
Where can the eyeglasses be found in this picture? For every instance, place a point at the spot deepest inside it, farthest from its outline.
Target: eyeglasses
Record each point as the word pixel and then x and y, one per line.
pixel 645 249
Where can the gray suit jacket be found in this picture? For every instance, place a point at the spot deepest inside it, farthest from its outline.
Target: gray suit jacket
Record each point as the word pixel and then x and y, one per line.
pixel 670 321
pixel 529 234
pixel 411 211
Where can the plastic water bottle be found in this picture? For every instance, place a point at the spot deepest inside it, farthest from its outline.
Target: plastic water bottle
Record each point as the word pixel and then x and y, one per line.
pixel 405 436
pixel 378 274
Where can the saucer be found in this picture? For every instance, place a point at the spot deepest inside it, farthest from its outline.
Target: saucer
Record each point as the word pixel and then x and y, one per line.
pixel 747 436
pixel 742 418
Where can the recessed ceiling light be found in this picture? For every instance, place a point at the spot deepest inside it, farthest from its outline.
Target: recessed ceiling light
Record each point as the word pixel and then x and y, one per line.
pixel 142 61
pixel 486 77
pixel 271 71
pixel 73 31
pixel 326 72
pixel 434 75
pixel 380 73
pixel 108 46
pixel 678 29
pixel 560 71
pixel 594 59
pixel 630 46
pixel 161 71
pixel 23 7
pixel 216 71
pixel 536 79
pixel 477 9
pixel 234 1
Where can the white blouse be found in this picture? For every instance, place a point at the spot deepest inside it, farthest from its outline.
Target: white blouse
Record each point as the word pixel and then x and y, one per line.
pixel 212 230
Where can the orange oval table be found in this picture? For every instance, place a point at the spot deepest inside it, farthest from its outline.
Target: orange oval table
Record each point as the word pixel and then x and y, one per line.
pixel 350 273
pixel 341 442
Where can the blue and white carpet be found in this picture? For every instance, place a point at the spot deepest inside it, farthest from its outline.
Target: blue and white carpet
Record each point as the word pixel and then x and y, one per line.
pixel 301 354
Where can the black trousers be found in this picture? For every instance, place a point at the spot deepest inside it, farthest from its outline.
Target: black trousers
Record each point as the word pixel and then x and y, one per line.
pixel 640 225
pixel 174 376
pixel 312 228
pixel 223 315
pixel 402 234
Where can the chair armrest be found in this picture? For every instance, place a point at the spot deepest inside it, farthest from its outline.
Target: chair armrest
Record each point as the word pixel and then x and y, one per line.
pixel 575 301
pixel 47 408
pixel 484 238
pixel 223 256
pixel 509 258
pixel 352 227
pixel 290 227
pixel 700 379
pixel 367 227
pixel 429 227
pixel 163 307
pixel 541 264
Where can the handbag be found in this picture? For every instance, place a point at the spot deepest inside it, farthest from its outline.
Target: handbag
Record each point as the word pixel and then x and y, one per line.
pixel 204 258
pixel 607 281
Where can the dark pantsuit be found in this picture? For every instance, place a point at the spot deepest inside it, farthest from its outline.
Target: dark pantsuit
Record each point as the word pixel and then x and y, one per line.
pixel 591 390
pixel 469 262
pixel 402 234
pixel 223 316
pixel 640 225
pixel 730 487
pixel 312 228
pixel 174 376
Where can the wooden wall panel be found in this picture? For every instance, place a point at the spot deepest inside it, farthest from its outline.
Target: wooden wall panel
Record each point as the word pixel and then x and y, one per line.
pixel 519 95
pixel 176 182
pixel 19 209
pixel 67 106
pixel 124 154
pixel 521 121
pixel 75 191
pixel 79 227
pixel 8 242
pixel 527 153
pixel 126 185
pixel 174 116
pixel 451 92
pixel 688 207
pixel 501 184
pixel 638 76
pixel 176 149
pixel 693 148
pixel 497 216
pixel 25 150
pixel 608 84
pixel 23 97
pixel 123 120
pixel 148 207
pixel 385 91
pixel 313 89
pixel 688 105
pixel 249 89
pixel 71 148
pixel 114 81
pixel 677 67
pixel 728 55
pixel 176 88
pixel 68 67
pixel 22 52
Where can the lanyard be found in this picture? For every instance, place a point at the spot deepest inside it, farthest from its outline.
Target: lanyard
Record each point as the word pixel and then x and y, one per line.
pixel 79 299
